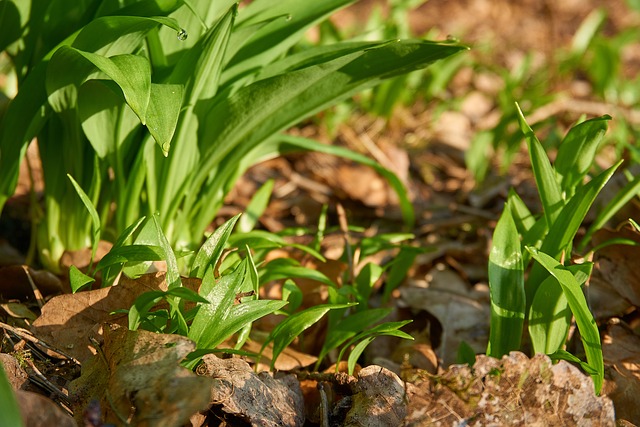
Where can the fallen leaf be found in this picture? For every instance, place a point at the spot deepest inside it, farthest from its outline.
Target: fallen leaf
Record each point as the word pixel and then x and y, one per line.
pixel 621 352
pixel 617 263
pixel 379 399
pixel 137 377
pixel 462 311
pixel 17 376
pixel 514 390
pixel 241 396
pixel 18 311
pixel 68 321
pixel 38 410
pixel 14 283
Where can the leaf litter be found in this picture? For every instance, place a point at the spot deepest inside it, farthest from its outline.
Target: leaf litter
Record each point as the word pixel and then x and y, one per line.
pixel 445 288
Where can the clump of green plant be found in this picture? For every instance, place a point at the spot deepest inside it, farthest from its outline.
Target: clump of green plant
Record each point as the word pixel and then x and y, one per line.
pixel 552 293
pixel 159 106
pixel 231 273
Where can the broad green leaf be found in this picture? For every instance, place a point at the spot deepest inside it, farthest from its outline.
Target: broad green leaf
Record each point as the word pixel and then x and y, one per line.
pixel 237 124
pixel 466 354
pixel 520 213
pixel 550 316
pixel 141 307
pixel 589 333
pixel 550 192
pixel 565 355
pixel 239 315
pixel 278 270
pixel 131 253
pixel 388 328
pixel 198 71
pixel 9 409
pixel 95 219
pixel 221 297
pixel 70 67
pixel 622 197
pixel 256 207
pixel 506 285
pixel 577 153
pixel 13 16
pixel 186 294
pixel 165 103
pixel 563 231
pixel 29 110
pixel 288 20
pixel 106 120
pixel 291 327
pixel 78 280
pixel 211 251
pixel 110 273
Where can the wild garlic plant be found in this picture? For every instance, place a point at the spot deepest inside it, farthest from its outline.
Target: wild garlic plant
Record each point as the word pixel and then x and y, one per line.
pixel 158 106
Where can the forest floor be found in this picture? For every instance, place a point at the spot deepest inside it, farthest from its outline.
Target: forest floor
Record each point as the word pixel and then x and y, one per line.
pixel 445 294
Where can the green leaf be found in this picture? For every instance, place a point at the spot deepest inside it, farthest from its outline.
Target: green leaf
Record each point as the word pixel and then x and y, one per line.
pixel 577 153
pixel 70 66
pixel 221 297
pixel 550 192
pixel 466 354
pixel 239 123
pixel 141 307
pixel 287 330
pixel 279 269
pixel 131 253
pixel 210 252
pixel 165 103
pixel 106 120
pixel 563 231
pixel 506 284
pixel 288 20
pixel 349 327
pixel 549 317
pixel 95 218
pixel 365 281
pixel 110 273
pixel 388 329
pixel 9 409
pixel 589 333
pixel 356 352
pixel 399 268
pixel 78 279
pixel 256 207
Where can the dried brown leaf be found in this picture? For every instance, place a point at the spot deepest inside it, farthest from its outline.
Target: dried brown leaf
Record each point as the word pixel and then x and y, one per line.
pixel 240 395
pixel 515 390
pixel 621 351
pixel 68 321
pixel 137 377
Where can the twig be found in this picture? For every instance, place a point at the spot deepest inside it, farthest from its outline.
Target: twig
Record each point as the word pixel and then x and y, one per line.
pixel 49 350
pixel 34 288
pixel 41 380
